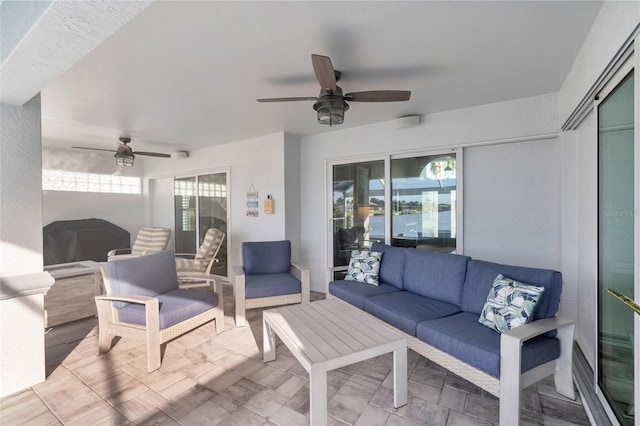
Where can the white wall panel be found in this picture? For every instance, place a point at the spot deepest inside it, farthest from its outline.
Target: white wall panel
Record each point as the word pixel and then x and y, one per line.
pixel 496 123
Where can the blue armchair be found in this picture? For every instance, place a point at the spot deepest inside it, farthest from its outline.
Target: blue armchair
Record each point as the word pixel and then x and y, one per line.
pixel 268 278
pixel 143 301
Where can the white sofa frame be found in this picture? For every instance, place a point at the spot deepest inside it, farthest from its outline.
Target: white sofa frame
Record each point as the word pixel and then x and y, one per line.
pixel 511 381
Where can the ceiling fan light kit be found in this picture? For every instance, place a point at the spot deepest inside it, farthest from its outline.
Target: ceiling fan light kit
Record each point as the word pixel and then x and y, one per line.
pixel 331 107
pixel 330 104
pixel 124 154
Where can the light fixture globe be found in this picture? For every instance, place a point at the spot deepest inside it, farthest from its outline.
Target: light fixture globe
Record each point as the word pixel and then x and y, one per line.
pixel 124 159
pixel 331 107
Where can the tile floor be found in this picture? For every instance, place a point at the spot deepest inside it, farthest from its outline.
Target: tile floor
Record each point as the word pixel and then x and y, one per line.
pixel 209 379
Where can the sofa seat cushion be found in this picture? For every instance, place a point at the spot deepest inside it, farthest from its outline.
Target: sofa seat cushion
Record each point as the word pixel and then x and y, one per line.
pixel 175 306
pixel 404 310
pixel 270 285
pixel 356 293
pixel 462 336
pixel 436 275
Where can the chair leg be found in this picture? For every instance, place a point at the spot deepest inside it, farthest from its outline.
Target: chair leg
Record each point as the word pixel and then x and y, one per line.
pixel 152 317
pixel 219 320
pixel 104 337
pixel 104 341
pixel 239 294
pixel 240 311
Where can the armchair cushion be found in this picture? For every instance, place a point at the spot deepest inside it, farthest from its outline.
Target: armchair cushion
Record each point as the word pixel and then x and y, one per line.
pixel 266 257
pixel 462 336
pixel 175 306
pixel 145 275
pixel 270 285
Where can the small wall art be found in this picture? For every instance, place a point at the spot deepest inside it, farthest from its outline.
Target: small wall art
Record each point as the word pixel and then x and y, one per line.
pixel 253 204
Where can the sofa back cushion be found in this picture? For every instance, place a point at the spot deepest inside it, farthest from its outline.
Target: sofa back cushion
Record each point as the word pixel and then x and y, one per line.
pixel 149 275
pixel 392 264
pixel 481 275
pixel 439 276
pixel 266 257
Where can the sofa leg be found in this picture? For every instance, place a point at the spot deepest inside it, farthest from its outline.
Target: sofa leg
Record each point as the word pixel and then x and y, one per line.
pixel 563 375
pixel 510 363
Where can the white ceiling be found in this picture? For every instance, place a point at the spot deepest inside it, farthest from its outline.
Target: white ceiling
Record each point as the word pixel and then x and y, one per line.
pixel 186 75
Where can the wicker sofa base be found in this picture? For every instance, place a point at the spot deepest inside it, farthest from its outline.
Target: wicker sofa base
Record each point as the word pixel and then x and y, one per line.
pixel 478 377
pixel 261 302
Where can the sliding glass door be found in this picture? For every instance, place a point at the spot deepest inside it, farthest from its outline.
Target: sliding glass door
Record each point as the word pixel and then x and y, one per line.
pixel 404 201
pixel 616 245
pixel 200 204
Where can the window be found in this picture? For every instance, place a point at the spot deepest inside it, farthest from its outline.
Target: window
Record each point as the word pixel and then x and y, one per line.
pixel 200 204
pixel 406 202
pixel 358 208
pixel 60 180
pixel 423 200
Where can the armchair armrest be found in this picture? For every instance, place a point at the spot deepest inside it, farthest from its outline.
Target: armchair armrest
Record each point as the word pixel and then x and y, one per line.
pixel 149 251
pixel 115 252
pixel 216 285
pixel 129 298
pixel 302 273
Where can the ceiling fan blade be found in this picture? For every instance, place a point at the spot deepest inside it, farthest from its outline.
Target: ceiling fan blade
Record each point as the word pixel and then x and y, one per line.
pixel 152 154
pixel 379 96
pixel 287 99
pixel 94 149
pixel 324 71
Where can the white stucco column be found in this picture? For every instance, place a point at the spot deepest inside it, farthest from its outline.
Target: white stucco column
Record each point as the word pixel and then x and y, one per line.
pixel 22 281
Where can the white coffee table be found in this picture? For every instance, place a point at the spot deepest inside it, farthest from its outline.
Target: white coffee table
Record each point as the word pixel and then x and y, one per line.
pixel 330 334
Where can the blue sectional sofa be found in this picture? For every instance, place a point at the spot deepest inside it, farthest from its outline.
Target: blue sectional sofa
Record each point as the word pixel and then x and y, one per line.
pixel 435 300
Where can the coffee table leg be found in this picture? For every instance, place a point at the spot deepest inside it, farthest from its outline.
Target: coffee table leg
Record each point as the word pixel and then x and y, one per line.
pixel 268 342
pixel 400 377
pixel 318 397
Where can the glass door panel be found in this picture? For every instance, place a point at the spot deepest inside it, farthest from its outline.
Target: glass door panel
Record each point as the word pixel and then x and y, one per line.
pixel 200 204
pixel 616 248
pixel 212 213
pixel 423 200
pixel 358 208
pixel 185 207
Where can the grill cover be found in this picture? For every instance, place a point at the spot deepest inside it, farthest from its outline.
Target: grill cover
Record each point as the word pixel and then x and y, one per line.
pixel 84 239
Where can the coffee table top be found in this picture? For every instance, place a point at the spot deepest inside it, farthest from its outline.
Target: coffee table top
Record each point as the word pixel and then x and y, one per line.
pixel 331 333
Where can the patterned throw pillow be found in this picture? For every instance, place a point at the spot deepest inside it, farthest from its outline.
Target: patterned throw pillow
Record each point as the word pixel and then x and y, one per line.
pixel 510 304
pixel 364 266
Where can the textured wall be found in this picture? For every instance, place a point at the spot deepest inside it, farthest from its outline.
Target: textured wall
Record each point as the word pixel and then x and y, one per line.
pixel 65 33
pixel 21 318
pixel 20 189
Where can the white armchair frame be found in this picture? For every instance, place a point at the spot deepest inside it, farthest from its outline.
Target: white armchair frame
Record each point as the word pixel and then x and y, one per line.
pixel 109 324
pixel 242 303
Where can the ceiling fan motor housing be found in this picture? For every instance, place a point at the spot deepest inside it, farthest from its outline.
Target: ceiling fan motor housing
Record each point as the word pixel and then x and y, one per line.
pixel 331 106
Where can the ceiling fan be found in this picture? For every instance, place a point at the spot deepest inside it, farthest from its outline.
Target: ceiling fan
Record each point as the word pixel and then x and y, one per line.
pixel 124 154
pixel 331 103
